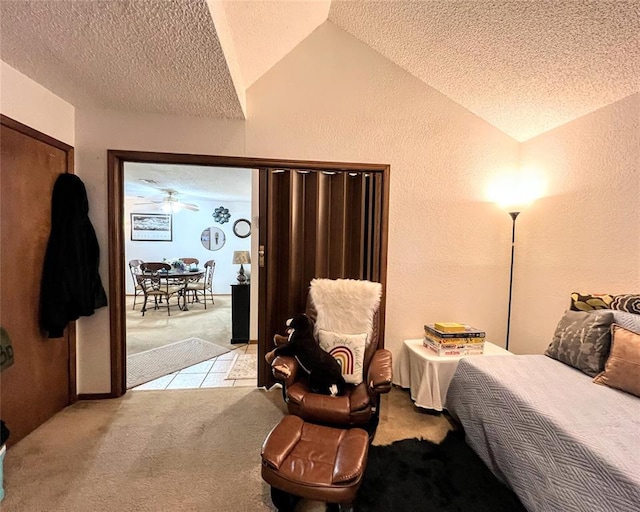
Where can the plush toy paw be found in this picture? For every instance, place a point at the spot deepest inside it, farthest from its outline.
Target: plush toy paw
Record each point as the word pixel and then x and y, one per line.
pixel 279 340
pixel 282 369
pixel 333 389
pixel 270 356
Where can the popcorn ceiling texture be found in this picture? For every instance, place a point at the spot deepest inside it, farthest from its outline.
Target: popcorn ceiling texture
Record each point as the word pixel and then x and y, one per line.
pixel 525 67
pixel 265 31
pixel 151 55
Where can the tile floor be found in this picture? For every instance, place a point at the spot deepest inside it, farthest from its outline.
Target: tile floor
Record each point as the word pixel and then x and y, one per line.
pixel 208 374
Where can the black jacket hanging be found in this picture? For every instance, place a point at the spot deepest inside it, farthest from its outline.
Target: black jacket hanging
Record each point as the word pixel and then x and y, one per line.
pixel 71 286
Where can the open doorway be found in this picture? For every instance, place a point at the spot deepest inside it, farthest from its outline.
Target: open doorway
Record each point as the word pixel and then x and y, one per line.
pixel 181 329
pixel 311 219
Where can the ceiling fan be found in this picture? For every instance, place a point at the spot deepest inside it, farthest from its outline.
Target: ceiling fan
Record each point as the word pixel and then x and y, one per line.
pixel 171 204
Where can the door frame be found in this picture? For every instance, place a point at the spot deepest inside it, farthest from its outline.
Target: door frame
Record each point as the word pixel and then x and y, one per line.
pixel 70 169
pixel 115 183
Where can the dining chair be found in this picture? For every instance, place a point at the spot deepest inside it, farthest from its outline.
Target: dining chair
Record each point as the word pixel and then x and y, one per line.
pixel 205 285
pixel 134 269
pixel 188 262
pixel 155 282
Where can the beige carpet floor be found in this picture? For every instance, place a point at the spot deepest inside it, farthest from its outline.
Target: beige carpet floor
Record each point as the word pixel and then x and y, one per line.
pixel 187 450
pixel 156 328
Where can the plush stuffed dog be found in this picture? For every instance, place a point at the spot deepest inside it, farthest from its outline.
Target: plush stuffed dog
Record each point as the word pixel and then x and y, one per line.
pixel 325 375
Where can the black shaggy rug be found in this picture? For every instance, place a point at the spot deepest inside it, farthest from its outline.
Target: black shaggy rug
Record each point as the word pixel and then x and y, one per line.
pixel 415 475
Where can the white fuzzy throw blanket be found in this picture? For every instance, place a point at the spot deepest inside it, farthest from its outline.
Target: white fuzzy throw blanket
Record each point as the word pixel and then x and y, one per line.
pixel 345 306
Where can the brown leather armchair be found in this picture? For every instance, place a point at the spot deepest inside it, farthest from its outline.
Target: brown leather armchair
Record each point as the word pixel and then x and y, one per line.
pixel 358 405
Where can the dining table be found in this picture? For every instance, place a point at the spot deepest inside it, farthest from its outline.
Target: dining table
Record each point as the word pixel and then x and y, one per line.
pixel 181 278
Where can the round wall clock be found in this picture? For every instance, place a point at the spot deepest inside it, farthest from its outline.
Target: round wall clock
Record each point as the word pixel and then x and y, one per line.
pixel 212 238
pixel 242 228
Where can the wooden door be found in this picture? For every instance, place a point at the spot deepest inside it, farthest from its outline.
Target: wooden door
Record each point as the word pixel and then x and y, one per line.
pixel 316 223
pixel 41 381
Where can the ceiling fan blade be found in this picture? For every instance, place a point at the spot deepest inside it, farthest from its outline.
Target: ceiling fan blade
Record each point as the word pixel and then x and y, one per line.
pixel 192 207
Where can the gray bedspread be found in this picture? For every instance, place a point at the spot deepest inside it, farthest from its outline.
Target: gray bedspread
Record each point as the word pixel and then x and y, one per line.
pixel 561 442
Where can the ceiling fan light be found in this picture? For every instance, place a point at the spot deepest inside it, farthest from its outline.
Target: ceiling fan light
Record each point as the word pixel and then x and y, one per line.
pixel 171 207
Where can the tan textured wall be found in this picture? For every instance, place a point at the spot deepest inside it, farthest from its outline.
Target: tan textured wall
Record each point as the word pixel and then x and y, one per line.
pixel 584 235
pixel 448 250
pixel 28 102
pixel 333 98
pixel 97 131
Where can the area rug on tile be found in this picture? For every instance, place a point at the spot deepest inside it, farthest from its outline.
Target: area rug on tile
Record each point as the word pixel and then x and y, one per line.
pixel 244 367
pixel 151 364
pixel 414 475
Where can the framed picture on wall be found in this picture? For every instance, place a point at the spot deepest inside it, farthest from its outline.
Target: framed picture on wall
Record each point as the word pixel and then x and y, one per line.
pixel 151 227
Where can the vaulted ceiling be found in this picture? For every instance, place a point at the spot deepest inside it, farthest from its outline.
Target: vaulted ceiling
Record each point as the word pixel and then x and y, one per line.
pixel 523 66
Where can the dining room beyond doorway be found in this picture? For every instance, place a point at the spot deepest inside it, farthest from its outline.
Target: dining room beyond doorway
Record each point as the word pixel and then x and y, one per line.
pixel 186 227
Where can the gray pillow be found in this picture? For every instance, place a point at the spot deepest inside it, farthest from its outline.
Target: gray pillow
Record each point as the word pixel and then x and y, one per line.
pixel 629 321
pixel 582 340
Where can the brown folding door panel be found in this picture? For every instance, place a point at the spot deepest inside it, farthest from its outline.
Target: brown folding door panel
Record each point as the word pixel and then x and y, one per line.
pixel 318 224
pixel 42 379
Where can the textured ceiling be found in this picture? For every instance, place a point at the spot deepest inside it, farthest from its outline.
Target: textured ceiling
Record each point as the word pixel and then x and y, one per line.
pixel 191 182
pixel 523 66
pixel 264 32
pixel 151 55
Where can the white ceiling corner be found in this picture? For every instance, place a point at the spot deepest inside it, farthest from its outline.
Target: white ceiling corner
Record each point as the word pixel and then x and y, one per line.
pixel 223 30
pixel 525 67
pixel 265 31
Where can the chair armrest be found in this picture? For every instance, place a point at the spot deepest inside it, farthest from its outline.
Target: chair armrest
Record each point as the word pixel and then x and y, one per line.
pixel 351 457
pixel 291 363
pixel 380 371
pixel 281 440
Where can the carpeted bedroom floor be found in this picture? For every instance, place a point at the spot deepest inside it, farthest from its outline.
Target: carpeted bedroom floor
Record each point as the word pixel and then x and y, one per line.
pixel 186 450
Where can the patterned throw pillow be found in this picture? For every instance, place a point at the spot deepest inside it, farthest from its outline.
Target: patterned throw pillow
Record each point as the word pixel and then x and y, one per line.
pixel 622 370
pixel 582 340
pixel 581 302
pixel 628 303
pixel 348 349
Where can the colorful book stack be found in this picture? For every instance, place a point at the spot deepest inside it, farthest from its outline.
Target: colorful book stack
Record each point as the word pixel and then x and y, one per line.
pixel 453 339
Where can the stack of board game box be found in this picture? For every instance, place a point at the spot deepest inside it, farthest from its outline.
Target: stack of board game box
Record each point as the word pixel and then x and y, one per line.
pixel 453 339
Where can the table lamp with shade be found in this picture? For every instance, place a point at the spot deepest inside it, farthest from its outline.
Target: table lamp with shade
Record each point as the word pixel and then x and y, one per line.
pixel 241 258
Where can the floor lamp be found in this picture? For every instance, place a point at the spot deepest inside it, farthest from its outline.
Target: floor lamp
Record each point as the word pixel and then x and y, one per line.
pixel 514 216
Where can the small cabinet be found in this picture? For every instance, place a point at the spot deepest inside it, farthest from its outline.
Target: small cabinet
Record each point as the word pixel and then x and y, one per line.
pixel 240 313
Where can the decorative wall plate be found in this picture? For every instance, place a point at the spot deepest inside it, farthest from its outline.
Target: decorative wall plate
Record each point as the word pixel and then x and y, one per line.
pixel 221 215
pixel 212 238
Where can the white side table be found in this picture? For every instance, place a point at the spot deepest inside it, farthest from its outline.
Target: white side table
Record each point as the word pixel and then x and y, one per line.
pixel 428 375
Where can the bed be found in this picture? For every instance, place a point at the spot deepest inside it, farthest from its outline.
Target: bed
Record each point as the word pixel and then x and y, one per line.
pixel 561 442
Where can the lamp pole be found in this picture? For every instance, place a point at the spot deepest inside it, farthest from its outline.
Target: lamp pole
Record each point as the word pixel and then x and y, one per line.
pixel 514 216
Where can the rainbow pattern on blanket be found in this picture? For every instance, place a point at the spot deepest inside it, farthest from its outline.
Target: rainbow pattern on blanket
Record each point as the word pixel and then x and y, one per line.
pixel 345 357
